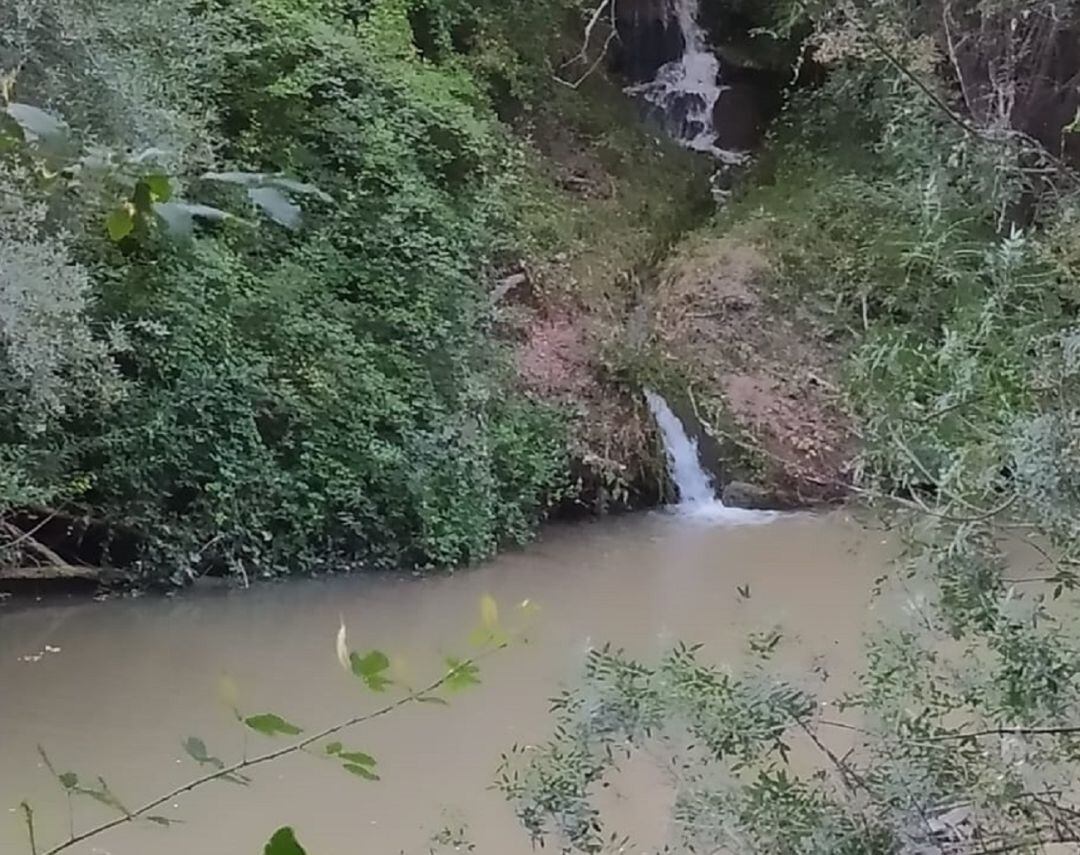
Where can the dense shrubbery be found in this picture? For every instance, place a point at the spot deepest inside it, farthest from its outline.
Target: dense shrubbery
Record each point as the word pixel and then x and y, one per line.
pixel 253 397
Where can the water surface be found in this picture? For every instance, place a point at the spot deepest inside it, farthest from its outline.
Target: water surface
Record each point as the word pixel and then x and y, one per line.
pixel 132 678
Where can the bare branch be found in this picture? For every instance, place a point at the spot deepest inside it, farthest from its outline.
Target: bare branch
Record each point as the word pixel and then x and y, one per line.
pixel 583 54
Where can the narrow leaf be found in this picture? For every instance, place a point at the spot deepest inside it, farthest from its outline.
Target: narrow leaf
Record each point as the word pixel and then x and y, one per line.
pixel 35 122
pixel 358 758
pixel 276 206
pixel 271 725
pixel 361 771
pixel 28 818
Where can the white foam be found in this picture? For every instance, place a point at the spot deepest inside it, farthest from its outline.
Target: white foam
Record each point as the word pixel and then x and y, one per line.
pixel 686 90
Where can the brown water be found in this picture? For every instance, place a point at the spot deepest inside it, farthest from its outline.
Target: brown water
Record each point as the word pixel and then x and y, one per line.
pixel 132 678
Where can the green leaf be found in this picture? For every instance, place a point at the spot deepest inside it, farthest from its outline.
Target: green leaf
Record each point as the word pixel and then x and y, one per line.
pixel 361 771
pixel 179 217
pixel 358 758
pixel 104 796
pixel 35 122
pixel 271 725
pixel 68 780
pixel 196 749
pixel 120 223
pixel 370 668
pixel 432 699
pixel 276 206
pixel 298 187
pixel 284 842
pixel 11 133
pixel 142 198
pixel 460 674
pixel 161 820
pixel 334 748
pixel 160 187
pixel 266 179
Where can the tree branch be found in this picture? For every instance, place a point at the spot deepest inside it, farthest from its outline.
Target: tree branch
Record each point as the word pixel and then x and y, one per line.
pixel 583 54
pixel 1003 732
pixel 247 763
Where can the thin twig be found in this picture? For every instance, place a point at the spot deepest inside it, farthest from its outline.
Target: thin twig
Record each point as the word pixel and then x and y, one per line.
pixel 235 768
pixel 852 780
pixel 1003 732
pixel 28 815
pixel 583 54
pixel 28 535
pixel 54 559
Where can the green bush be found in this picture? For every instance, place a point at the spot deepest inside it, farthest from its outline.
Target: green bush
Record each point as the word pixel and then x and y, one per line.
pixel 292 399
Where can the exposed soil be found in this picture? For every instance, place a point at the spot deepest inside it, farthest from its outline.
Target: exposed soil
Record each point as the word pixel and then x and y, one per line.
pixel 760 376
pixel 749 352
pixel 554 361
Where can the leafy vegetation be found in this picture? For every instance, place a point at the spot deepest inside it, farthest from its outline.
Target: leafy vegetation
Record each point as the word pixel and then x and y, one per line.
pixel 244 321
pixel 906 200
pixel 245 254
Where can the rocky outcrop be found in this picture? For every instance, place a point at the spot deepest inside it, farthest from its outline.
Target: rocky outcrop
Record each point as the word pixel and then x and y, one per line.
pixel 741 116
pixel 757 497
pixel 648 39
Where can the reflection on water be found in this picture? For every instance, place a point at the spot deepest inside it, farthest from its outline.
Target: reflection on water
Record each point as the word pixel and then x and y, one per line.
pixel 131 679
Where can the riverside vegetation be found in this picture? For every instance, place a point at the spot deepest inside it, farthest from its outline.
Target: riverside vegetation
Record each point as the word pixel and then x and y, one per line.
pixel 247 251
pixel 256 397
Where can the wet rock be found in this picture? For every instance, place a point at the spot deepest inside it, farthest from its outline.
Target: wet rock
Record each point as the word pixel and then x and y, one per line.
pixel 741 115
pixel 741 494
pixel 648 38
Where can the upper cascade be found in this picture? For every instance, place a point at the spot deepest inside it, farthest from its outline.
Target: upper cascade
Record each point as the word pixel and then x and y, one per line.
pixel 684 93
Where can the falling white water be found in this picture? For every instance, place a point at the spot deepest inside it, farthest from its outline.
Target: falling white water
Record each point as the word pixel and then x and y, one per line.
pixel 693 483
pixel 685 90
pixel 697 496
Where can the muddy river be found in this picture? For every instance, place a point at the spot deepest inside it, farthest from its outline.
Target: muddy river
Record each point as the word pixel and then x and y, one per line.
pixel 112 688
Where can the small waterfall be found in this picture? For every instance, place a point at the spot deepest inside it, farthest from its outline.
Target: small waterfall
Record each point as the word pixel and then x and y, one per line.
pixel 685 91
pixel 697 496
pixel 693 483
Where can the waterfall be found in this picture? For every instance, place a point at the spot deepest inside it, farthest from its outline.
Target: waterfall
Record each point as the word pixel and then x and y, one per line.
pixel 693 483
pixel 684 92
pixel 697 496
